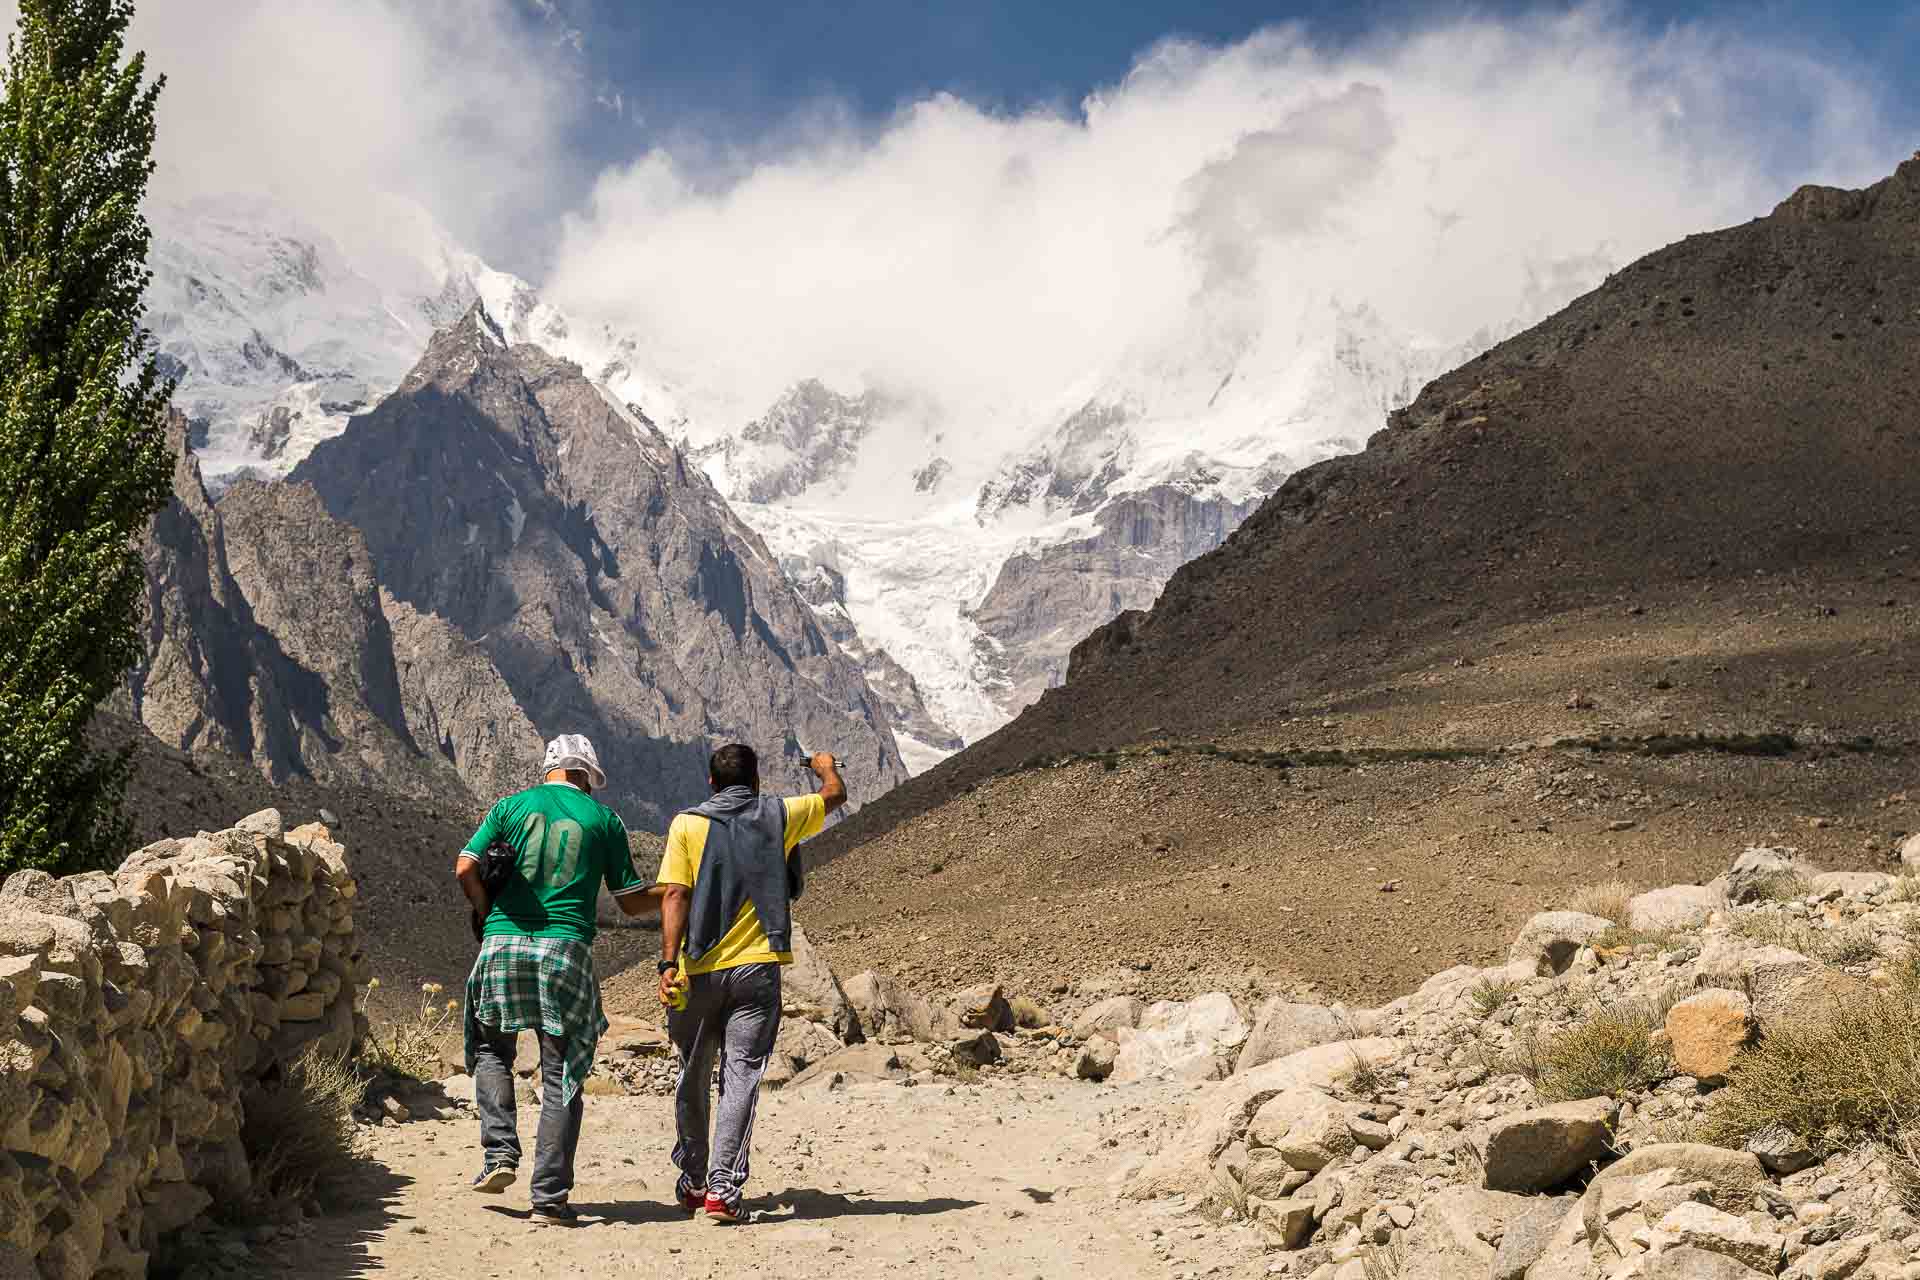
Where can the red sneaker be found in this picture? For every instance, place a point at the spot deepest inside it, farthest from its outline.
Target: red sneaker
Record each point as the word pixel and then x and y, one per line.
pixel 720 1211
pixel 691 1201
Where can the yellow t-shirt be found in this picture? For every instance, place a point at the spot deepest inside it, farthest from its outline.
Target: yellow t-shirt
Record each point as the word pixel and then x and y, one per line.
pixel 746 942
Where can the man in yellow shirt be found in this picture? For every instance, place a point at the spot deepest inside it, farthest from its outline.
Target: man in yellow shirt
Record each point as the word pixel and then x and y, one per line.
pixel 729 877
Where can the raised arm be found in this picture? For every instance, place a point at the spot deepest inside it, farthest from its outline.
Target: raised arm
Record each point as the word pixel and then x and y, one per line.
pixel 833 792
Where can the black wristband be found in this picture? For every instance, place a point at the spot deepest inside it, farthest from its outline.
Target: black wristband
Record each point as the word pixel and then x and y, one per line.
pixel 668 966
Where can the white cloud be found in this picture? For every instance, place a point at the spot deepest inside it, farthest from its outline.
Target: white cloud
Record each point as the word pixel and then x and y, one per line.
pixel 456 103
pixel 1448 179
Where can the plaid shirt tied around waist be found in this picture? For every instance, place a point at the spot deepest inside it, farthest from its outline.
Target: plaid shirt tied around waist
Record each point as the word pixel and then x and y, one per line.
pixel 538 984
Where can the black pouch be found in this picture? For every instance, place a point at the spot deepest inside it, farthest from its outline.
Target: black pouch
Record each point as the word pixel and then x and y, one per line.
pixel 498 865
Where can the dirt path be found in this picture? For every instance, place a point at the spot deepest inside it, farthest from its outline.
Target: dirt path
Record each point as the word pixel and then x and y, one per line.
pixel 870 1180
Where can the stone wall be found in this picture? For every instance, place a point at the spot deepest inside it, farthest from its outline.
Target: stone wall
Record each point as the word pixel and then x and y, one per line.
pixel 137 1009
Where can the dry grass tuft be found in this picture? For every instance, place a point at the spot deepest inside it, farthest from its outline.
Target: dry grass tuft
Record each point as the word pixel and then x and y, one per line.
pixel 1362 1078
pixel 1028 1014
pixel 1608 900
pixel 300 1135
pixel 1784 886
pixel 1608 1053
pixel 1489 994
pixel 1620 937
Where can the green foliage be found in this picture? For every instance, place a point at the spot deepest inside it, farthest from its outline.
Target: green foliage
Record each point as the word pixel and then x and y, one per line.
pixel 84 460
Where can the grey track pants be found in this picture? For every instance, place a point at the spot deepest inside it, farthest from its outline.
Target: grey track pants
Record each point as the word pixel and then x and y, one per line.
pixel 733 1014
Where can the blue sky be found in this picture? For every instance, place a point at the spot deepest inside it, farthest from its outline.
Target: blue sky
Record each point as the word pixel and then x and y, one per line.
pixel 718 73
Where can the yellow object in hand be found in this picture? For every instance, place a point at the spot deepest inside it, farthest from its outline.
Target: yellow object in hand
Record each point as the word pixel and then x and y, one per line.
pixel 677 992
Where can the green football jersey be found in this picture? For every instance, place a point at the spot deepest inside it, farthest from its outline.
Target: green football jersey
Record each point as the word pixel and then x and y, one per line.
pixel 568 845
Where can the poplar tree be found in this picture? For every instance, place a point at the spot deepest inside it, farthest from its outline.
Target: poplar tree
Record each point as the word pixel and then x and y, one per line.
pixel 84 459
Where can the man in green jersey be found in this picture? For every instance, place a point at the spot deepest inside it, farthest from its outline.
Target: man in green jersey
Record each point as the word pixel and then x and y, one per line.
pixel 535 968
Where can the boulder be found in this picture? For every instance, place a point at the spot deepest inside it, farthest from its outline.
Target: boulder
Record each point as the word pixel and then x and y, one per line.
pixel 1286 1222
pixel 1181 1041
pixel 1689 1263
pixel 1758 873
pixel 1106 1017
pixel 1536 1150
pixel 1680 906
pixel 977 1050
pixel 1851 884
pixel 1319 1134
pixel 1702 1226
pixel 981 1008
pixel 1095 1059
pixel 458 1089
pixel 810 991
pixel 1282 1027
pixel 1266 1175
pixel 1781 1152
pixel 1454 1230
pixel 1731 1176
pixel 1707 1031
pixel 1550 940
pixel 889 1012
pixel 1528 1235
pixel 860 1063
pixel 1183 1164
pixel 1910 852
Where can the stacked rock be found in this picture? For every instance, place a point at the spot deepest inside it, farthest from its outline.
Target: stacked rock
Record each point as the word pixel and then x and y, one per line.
pixel 137 1009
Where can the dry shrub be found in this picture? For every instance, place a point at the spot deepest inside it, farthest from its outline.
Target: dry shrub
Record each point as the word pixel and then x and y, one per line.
pixel 300 1135
pixel 1608 900
pixel 1784 886
pixel 1028 1014
pixel 409 1048
pixel 1849 1075
pixel 1609 1053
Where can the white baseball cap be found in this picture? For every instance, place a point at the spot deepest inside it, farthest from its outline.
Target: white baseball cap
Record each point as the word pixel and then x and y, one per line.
pixel 573 751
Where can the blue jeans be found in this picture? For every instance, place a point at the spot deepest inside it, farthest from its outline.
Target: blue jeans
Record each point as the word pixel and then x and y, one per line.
pixel 559 1133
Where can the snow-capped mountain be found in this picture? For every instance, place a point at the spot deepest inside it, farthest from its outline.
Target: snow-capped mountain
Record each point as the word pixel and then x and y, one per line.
pixel 279 331
pixel 957 575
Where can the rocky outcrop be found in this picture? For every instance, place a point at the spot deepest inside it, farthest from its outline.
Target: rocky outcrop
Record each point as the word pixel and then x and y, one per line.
pixel 499 552
pixel 572 557
pixel 137 1009
pixel 1046 601
pixel 810 436
pixel 266 639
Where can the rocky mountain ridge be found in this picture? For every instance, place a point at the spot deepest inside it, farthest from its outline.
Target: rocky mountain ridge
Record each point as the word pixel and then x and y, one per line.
pixel 282 332
pixel 497 552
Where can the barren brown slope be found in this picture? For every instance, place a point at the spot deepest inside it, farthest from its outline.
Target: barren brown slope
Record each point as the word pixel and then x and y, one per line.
pixel 1741 402
pixel 1690 495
